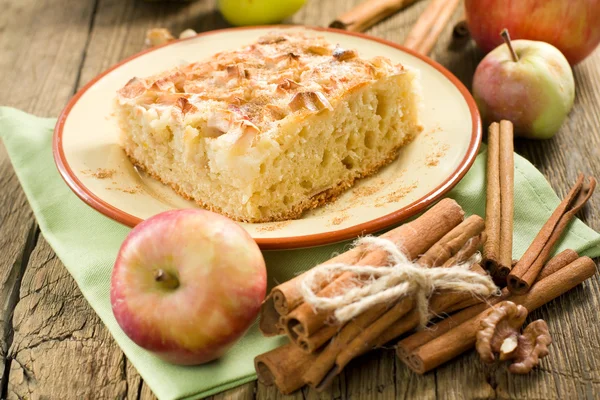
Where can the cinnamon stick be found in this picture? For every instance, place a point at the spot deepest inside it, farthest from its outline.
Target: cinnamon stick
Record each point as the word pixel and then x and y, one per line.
pixel 467 251
pixel 458 240
pixel 462 337
pixel 399 319
pixel 268 320
pixel 374 334
pixel 386 328
pixel 414 238
pixel 286 296
pixel 463 302
pixel 461 29
pixel 410 321
pixel 527 269
pixel 326 359
pixel 407 345
pixel 453 242
pixel 314 342
pixel 499 208
pixel 368 13
pixel 557 262
pixel 284 367
pixel 440 303
pixel 429 26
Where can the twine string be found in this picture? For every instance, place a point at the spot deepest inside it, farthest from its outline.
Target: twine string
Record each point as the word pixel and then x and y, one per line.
pixel 386 284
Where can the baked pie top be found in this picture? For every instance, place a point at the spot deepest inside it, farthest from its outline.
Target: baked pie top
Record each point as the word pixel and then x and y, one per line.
pixel 251 90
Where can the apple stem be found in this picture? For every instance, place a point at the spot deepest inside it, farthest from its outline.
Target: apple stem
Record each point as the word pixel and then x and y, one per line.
pixel 505 35
pixel 168 281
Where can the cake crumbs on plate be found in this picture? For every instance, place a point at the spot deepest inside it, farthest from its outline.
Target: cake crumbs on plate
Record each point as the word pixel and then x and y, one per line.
pixel 367 190
pixel 129 190
pixel 433 159
pixel 397 195
pixel 273 226
pixel 100 173
pixel 339 219
pixel 433 131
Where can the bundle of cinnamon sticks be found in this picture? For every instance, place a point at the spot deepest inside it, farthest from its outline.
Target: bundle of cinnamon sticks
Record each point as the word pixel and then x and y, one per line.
pixel 319 349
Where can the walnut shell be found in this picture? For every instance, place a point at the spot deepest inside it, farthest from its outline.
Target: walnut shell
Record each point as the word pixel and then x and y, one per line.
pixel 500 333
pixel 532 346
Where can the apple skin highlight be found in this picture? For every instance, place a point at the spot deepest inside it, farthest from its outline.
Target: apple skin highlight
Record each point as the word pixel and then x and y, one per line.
pixel 572 26
pixel 218 285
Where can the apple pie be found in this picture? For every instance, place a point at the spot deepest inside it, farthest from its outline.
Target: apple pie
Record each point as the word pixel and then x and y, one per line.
pixel 273 129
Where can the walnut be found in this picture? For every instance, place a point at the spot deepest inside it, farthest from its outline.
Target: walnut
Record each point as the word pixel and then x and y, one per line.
pixel 343 54
pixel 500 333
pixel 313 101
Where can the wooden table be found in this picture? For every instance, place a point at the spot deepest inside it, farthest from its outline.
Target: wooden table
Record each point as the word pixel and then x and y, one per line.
pixel 55 347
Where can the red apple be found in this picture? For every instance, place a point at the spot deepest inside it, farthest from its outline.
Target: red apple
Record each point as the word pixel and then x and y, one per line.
pixel 527 82
pixel 573 26
pixel 187 284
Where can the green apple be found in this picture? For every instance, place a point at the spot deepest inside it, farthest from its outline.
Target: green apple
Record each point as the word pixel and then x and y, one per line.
pixel 527 82
pixel 258 12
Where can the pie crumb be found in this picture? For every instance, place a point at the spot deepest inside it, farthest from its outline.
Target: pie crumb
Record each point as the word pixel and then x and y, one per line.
pixel 273 226
pixel 100 173
pixel 339 219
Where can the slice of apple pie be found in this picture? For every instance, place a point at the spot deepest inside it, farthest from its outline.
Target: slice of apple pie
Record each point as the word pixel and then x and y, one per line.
pixel 268 131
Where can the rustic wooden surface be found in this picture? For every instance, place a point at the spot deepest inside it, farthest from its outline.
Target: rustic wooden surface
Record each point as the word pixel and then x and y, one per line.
pixel 54 346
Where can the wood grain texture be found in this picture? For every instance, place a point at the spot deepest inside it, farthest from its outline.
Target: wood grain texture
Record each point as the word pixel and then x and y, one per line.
pixel 56 331
pixel 17 235
pixel 53 330
pixel 41 49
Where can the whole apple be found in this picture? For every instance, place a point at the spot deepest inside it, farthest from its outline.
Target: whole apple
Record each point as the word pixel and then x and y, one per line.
pixel 573 26
pixel 532 87
pixel 258 12
pixel 187 284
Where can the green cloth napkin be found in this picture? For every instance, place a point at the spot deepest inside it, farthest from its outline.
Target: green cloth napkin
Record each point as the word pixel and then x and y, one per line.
pixel 87 243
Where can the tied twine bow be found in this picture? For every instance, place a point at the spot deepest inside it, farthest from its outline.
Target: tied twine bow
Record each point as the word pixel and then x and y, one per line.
pixel 400 278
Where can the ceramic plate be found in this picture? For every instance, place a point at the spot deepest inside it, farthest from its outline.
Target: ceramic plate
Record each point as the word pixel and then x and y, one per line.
pixel 96 169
